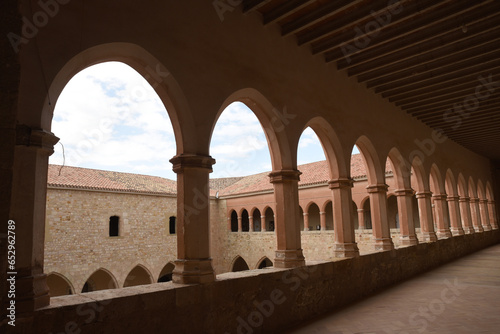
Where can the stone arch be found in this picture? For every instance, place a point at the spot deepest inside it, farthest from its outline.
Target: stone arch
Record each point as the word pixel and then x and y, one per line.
pixel 392 212
pixel 239 264
pixel 421 175
pixel 375 172
pixel 147 66
pixel 355 216
pixel 327 208
pixel 450 185
pixel 338 167
pixel 400 168
pixel 166 273
pixel 264 263
pixel 489 192
pixel 440 210
pixel 59 285
pixel 462 186
pixel 271 122
pixel 436 181
pixel 313 212
pixel 472 188
pixel 367 213
pixel 483 206
pixel 269 220
pixel 101 279
pixel 233 221
pixel 245 220
pixel 481 192
pixel 257 221
pixel 474 205
pixel 139 275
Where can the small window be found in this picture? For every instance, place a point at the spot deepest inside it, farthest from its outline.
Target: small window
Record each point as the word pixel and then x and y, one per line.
pixel 114 224
pixel 171 225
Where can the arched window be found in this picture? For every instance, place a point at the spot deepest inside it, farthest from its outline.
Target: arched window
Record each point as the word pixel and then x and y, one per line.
pixel 234 221
pixel 240 265
pixel 114 226
pixel 171 225
pixel 265 263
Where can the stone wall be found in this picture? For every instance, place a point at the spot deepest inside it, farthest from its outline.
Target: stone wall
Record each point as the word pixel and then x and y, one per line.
pixel 289 296
pixel 77 241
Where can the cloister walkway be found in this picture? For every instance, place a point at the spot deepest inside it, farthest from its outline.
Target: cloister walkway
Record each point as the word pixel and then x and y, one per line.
pixel 460 297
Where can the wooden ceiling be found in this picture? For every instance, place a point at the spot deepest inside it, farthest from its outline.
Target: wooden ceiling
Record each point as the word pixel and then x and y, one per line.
pixel 438 61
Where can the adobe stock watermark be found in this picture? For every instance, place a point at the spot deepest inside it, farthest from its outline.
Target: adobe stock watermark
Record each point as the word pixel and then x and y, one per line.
pixel 47 10
pixel 364 35
pixel 223 6
pixel 265 309
pixel 420 320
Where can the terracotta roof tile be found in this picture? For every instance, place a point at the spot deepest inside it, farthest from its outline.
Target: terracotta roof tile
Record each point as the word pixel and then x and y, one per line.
pixel 84 178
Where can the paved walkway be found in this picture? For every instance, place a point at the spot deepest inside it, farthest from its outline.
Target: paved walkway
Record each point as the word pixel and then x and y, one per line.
pixel 460 297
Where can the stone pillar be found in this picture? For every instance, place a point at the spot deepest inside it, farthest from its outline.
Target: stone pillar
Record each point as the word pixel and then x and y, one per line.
pixel 250 222
pixel 28 202
pixel 485 219
pixel 306 221
pixel 322 220
pixel 466 215
pixel 405 211
pixel 425 214
pixel 345 241
pixel 287 223
pixel 361 219
pixel 263 223
pixel 240 225
pixel 492 214
pixel 442 216
pixel 193 264
pixel 229 224
pixel 475 214
pixel 454 207
pixel 380 222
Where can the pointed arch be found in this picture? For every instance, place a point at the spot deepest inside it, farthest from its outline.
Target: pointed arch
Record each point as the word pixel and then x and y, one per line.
pixel 264 262
pixel 400 168
pixel 489 192
pixel 139 275
pixel 233 221
pixel 436 182
pixel 239 264
pixel 472 188
pixel 450 183
pixel 166 273
pixel 101 279
pixel 59 285
pixel 481 192
pixel 421 176
pixel 462 186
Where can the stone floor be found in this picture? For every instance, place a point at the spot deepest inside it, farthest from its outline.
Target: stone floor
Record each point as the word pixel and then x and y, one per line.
pixel 460 297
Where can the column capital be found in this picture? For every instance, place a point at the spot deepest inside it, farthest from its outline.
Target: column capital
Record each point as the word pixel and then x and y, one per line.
pixel 439 197
pixel 36 138
pixel 182 161
pixel 453 198
pixel 284 175
pixel 464 199
pixel 491 202
pixel 377 188
pixel 423 194
pixel 341 183
pixel 361 210
pixel 306 213
pixel 322 212
pixel 404 192
pixel 484 201
pixel 474 200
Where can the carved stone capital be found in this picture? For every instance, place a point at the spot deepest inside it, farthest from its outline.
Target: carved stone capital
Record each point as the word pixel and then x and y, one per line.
pixel 377 188
pixel 341 183
pixel 36 138
pixel 404 192
pixel 285 175
pixel 182 161
pixel 423 194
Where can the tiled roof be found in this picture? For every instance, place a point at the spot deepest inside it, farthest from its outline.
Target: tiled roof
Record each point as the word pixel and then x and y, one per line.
pixel 84 178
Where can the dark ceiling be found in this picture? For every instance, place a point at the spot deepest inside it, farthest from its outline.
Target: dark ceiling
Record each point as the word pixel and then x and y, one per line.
pixel 438 61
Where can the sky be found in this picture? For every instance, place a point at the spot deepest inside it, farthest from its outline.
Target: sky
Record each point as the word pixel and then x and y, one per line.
pixel 108 117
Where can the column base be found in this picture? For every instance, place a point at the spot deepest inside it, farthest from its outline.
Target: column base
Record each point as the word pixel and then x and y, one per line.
pixel 487 228
pixel 469 230
pixel 32 293
pixel 384 244
pixel 478 229
pixel 443 234
pixel 345 250
pixel 429 236
pixel 494 227
pixel 289 259
pixel 197 271
pixel 457 231
pixel 408 240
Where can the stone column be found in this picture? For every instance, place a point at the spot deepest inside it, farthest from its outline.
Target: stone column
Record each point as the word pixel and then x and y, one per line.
pixel 229 224
pixel 405 211
pixel 263 223
pixel 345 241
pixel 28 202
pixel 476 216
pixel 287 224
pixel 425 214
pixel 454 207
pixel 485 219
pixel 361 219
pixel 240 225
pixel 466 215
pixel 193 264
pixel 492 214
pixel 322 220
pixel 380 222
pixel 442 216
pixel 250 222
pixel 306 221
